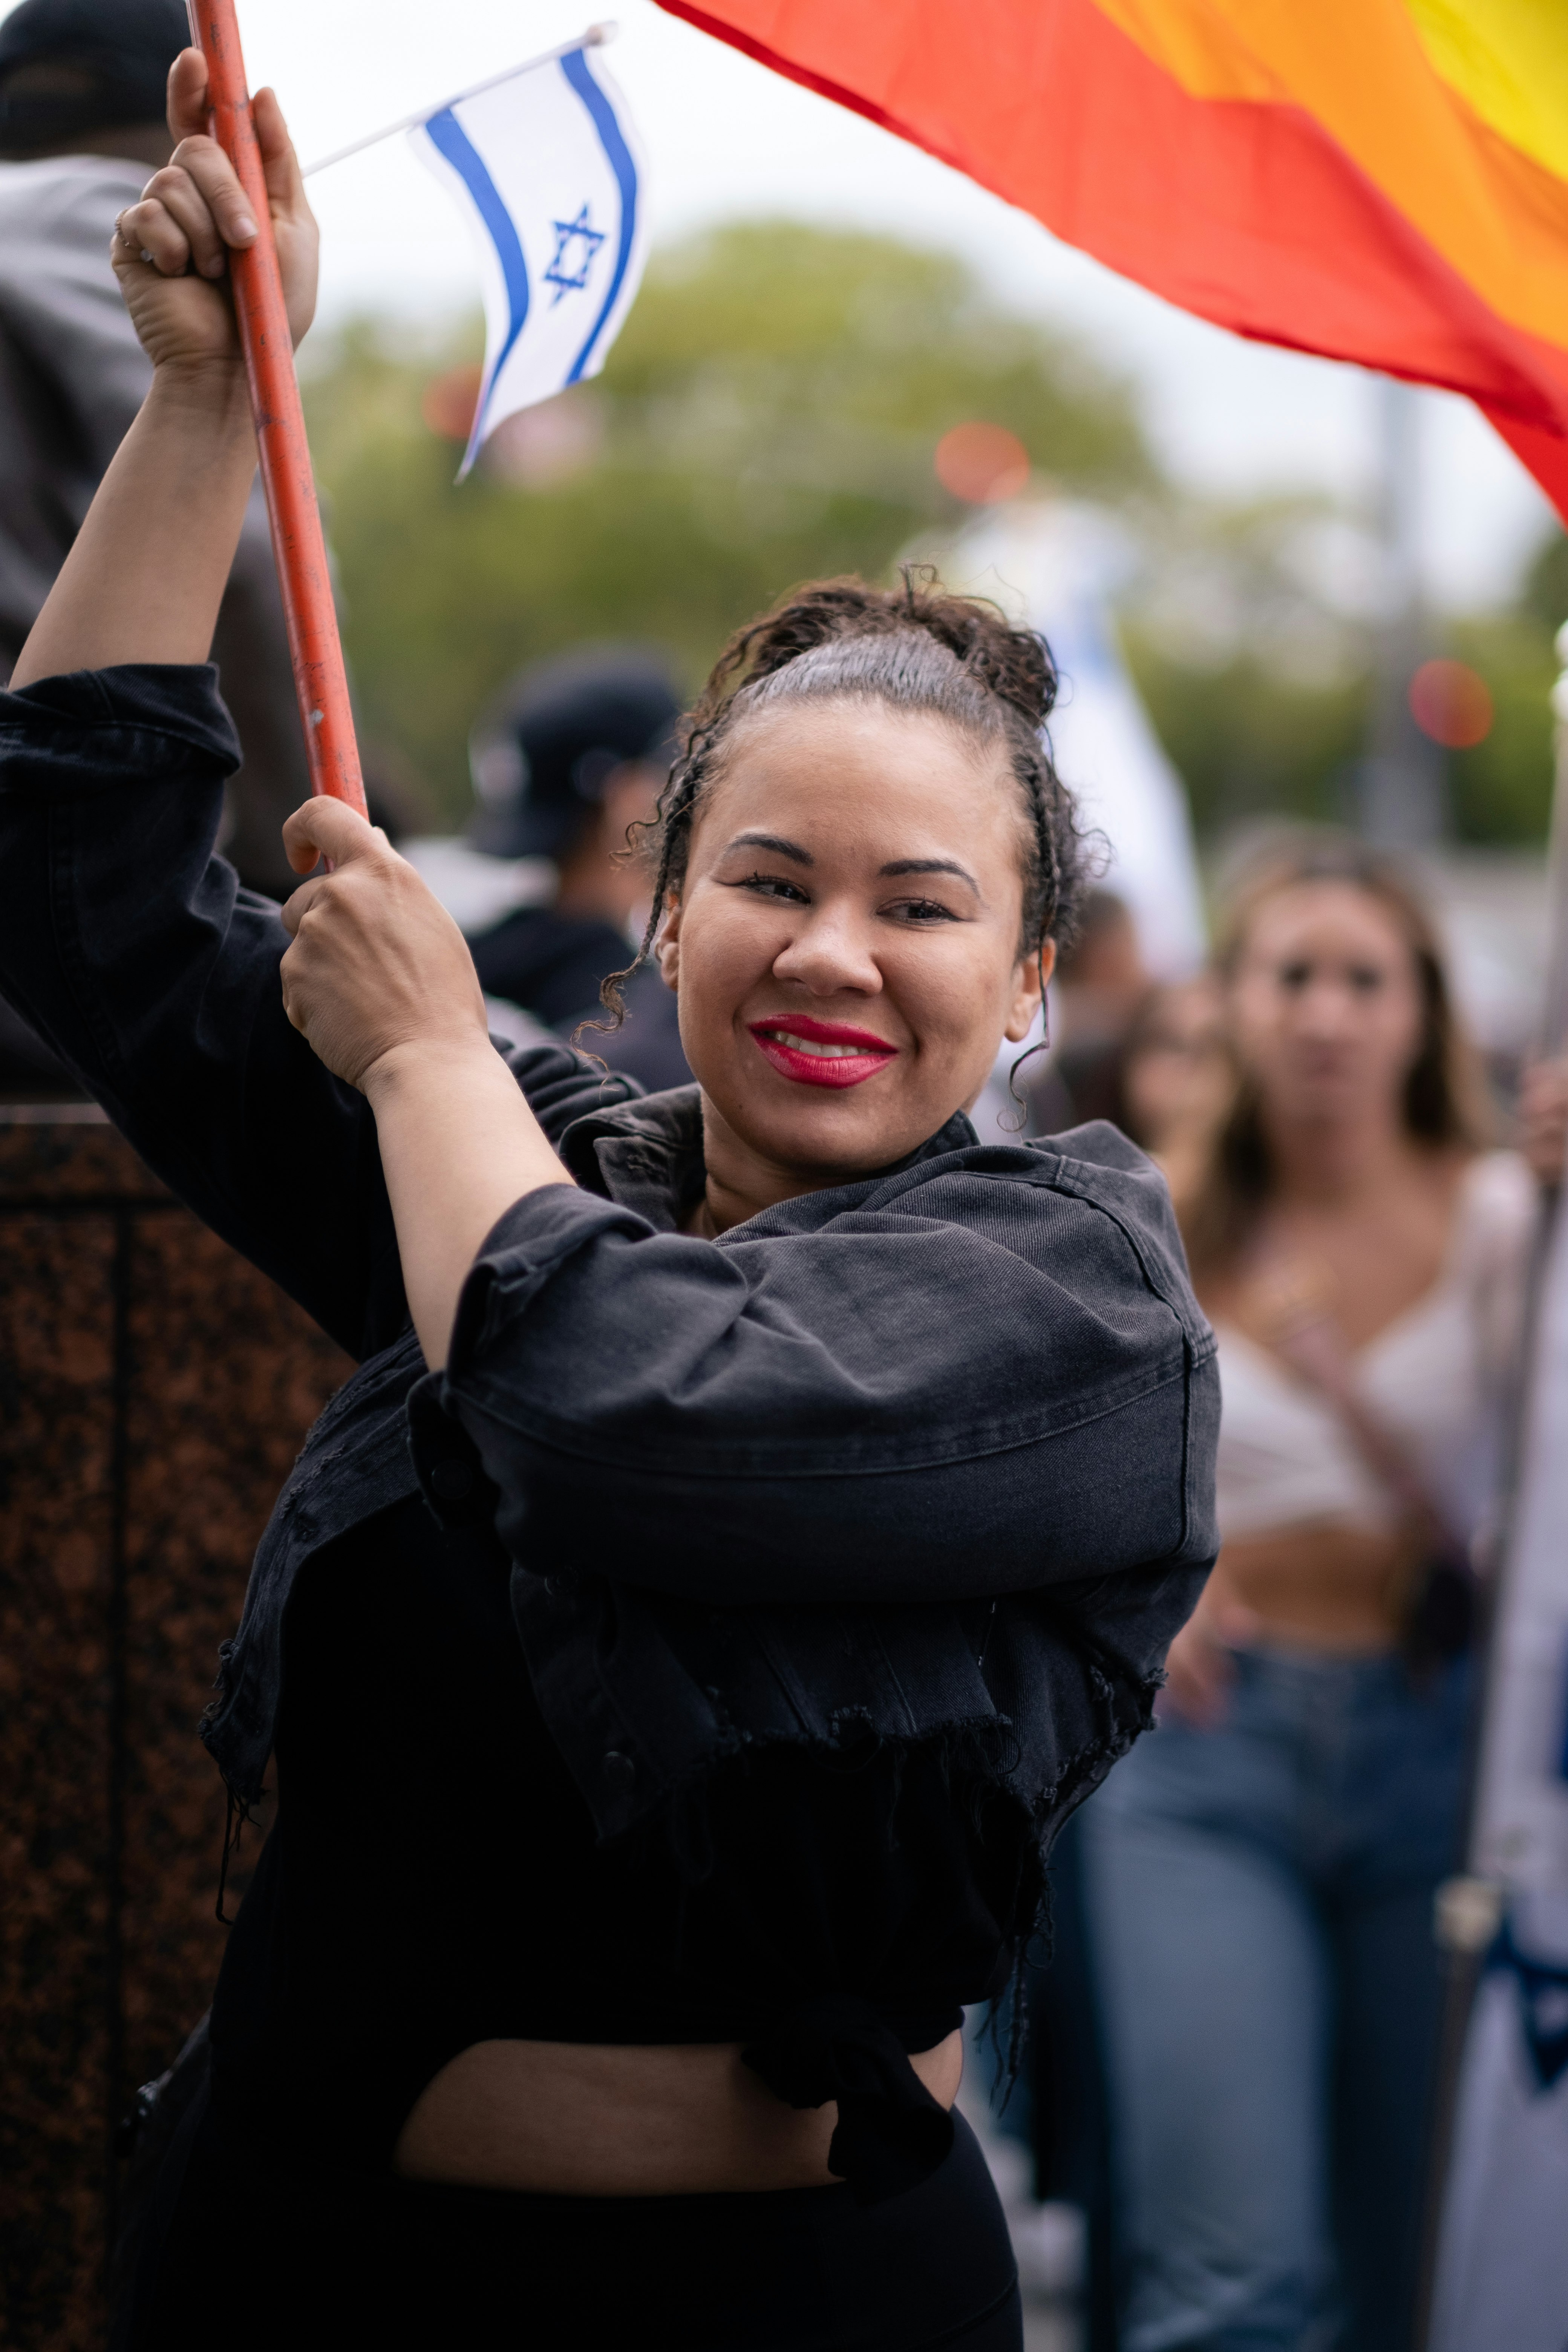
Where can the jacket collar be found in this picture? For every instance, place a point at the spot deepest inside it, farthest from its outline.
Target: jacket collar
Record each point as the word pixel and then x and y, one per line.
pixel 648 1154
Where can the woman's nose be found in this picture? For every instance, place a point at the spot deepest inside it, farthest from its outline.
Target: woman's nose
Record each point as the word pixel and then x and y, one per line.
pixel 831 951
pixel 1328 1009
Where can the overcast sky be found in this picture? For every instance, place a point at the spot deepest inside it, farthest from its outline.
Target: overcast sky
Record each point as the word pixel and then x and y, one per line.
pixel 726 138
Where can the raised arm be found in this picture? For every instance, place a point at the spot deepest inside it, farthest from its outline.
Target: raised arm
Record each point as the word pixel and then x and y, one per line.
pixel 168 997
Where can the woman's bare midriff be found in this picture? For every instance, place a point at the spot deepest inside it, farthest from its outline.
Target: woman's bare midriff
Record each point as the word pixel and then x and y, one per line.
pixel 1328 1586
pixel 590 2119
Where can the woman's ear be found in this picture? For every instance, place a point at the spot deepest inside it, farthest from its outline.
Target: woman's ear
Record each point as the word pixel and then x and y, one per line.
pixel 667 944
pixel 1031 970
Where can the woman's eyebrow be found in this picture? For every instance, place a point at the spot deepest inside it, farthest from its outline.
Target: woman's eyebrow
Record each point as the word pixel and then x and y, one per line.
pixel 932 865
pixel 779 847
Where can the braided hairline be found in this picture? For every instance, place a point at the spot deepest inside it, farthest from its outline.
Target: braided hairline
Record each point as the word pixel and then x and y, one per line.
pixel 1017 672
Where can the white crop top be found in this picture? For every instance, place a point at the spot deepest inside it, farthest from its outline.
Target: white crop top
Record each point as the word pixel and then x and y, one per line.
pixel 1435 1377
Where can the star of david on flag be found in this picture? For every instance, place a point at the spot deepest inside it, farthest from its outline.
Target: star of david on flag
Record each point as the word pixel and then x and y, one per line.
pixel 546 169
pixel 567 232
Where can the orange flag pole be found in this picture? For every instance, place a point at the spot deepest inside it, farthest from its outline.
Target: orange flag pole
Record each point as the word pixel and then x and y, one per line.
pixel 298 546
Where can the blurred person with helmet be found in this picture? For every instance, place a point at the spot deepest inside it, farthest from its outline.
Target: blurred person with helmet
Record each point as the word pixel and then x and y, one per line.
pixel 567 761
pixel 1260 1876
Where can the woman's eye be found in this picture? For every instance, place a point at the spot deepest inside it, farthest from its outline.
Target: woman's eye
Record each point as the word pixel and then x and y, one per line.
pixel 921 911
pixel 1366 979
pixel 773 886
pixel 1295 975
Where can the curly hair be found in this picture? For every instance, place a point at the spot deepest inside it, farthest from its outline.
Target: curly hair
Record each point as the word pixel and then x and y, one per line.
pixel 916 649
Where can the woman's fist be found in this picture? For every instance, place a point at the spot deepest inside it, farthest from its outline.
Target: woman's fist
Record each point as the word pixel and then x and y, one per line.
pixel 171 248
pixel 377 963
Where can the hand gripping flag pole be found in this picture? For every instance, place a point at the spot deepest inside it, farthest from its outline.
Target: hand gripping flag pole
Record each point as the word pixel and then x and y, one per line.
pixel 298 546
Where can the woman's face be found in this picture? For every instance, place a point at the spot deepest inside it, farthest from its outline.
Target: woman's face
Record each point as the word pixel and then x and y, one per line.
pixel 845 945
pixel 1326 1005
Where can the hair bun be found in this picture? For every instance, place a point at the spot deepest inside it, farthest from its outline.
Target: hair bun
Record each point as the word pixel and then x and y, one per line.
pixel 1013 664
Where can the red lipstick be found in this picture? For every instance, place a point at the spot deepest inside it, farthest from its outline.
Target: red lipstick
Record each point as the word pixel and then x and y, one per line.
pixel 821 1053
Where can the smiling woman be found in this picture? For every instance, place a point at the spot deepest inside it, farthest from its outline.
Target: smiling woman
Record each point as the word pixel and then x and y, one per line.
pixel 894 926
pixel 760 1515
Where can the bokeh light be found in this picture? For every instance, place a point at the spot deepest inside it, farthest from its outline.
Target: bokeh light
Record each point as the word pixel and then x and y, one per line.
pixel 1452 703
pixel 982 464
pixel 450 401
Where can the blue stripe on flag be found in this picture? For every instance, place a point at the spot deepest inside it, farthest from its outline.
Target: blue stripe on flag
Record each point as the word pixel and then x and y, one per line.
pixel 603 115
pixel 447 133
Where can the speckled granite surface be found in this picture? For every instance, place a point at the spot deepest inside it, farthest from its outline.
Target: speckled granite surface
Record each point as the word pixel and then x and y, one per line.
pixel 154 1391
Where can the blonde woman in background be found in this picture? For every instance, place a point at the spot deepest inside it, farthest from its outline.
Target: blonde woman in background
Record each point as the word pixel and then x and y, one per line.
pixel 1261 1874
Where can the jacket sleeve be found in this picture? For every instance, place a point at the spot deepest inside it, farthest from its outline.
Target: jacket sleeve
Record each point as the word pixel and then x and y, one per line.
pixel 128 944
pixel 974 1381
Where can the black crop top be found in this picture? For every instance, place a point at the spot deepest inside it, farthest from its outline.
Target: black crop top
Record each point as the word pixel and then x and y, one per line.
pixel 395 1919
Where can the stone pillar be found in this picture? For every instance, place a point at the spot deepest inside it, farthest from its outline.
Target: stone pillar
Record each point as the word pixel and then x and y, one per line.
pixel 154 1390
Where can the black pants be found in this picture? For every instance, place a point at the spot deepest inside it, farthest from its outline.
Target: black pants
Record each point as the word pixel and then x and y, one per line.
pixel 230 2266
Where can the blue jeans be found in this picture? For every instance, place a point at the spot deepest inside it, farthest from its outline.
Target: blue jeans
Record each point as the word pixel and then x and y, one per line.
pixel 1260 1900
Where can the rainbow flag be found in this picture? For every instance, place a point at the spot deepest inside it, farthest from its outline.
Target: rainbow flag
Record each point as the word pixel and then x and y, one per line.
pixel 1383 181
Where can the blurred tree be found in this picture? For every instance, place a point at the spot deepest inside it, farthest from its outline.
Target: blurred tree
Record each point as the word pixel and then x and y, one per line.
pixel 1249 635
pixel 1246 634
pixel 1546 584
pixel 1248 740
pixel 770 412
pixel 1500 791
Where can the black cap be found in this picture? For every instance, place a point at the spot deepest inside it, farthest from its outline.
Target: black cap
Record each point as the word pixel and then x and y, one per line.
pixel 543 751
pixel 116 54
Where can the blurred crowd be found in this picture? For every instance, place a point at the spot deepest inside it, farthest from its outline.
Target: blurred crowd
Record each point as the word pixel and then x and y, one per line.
pixel 1235 2049
pixel 1232 2062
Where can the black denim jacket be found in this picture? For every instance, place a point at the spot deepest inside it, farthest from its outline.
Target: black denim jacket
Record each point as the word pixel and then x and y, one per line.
pixel 928 1458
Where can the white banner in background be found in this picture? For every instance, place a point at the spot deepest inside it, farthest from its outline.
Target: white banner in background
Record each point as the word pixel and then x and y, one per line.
pixel 1056 566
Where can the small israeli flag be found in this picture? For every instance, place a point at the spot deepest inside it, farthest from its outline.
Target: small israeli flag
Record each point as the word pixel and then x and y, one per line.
pixel 547 168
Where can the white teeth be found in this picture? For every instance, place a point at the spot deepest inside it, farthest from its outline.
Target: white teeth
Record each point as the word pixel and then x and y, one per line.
pixel 814 1045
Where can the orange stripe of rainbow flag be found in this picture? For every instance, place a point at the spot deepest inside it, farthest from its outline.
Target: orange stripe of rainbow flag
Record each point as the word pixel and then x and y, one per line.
pixel 1382 181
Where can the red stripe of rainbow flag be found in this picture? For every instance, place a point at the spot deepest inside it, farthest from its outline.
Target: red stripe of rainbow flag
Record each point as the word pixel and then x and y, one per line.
pixel 1382 181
